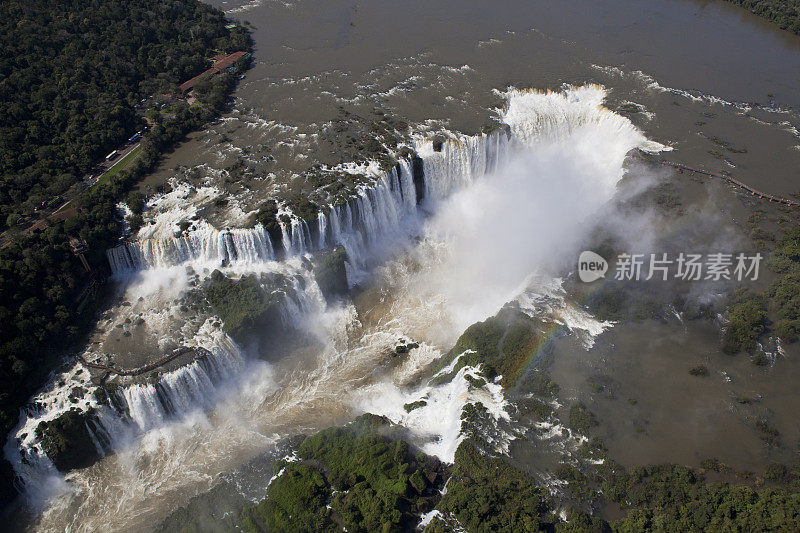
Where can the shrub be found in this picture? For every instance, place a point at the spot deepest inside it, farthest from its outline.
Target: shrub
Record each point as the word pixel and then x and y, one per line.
pixel 581 419
pixel 747 317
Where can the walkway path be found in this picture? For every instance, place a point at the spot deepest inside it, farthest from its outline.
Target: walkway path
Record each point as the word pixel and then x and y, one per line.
pixel 199 353
pixel 734 181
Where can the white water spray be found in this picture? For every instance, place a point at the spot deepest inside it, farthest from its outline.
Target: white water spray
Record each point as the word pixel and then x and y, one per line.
pixel 505 205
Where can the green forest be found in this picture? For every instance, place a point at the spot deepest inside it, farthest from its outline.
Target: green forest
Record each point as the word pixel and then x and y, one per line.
pixel 71 73
pixel 364 477
pixel 70 79
pixel 784 13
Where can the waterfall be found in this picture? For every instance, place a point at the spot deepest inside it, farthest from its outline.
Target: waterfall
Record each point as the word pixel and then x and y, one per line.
pixel 131 410
pixel 205 244
pixel 373 213
pixel 34 469
pixel 322 228
pixel 358 224
pixel 460 162
pixel 177 393
pixel 303 299
pixel 295 235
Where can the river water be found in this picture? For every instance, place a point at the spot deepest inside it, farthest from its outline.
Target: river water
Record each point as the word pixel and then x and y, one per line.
pixel 713 87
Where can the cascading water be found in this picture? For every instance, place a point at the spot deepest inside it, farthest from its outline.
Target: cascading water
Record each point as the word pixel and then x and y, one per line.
pixel 128 411
pixel 35 472
pixel 372 219
pixel 179 392
pixel 462 160
pixel 359 224
pixel 205 244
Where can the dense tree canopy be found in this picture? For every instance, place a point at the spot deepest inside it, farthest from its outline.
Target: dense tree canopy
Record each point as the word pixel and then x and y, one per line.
pixel 353 478
pixel 784 13
pixel 71 73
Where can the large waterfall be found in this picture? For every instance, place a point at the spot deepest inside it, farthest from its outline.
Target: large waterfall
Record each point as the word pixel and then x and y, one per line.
pixel 375 216
pixel 205 244
pixel 113 415
pixel 358 224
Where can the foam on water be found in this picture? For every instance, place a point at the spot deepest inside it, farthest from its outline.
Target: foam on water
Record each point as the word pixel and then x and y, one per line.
pixel 437 424
pixel 546 298
pixel 501 203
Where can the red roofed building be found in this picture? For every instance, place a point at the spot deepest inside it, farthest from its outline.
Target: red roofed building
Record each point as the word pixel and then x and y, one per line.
pixel 41 225
pixel 219 65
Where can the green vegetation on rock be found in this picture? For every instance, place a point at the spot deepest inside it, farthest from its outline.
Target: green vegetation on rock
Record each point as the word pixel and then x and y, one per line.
pixel 296 501
pixel 371 481
pixel 303 208
pixel 747 316
pixel 243 304
pixel 267 216
pixel 784 293
pixel 581 419
pixel 749 312
pixel 503 344
pixel 330 271
pixel 699 370
pixel 414 405
pixel 66 440
pixel 486 494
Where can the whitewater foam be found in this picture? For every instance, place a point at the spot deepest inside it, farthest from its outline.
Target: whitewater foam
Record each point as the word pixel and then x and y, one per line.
pixel 497 217
pixel 436 424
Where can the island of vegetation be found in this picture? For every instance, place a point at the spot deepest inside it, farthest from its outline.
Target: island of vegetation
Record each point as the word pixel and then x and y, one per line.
pixel 754 315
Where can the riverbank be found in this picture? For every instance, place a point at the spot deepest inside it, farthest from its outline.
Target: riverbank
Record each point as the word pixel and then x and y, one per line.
pixel 784 13
pixel 44 280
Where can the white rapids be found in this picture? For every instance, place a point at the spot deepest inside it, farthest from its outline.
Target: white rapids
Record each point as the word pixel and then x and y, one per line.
pixel 496 208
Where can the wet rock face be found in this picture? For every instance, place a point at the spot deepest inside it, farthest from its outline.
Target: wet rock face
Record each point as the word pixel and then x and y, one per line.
pixel 418 169
pixel 331 274
pixel 404 347
pixel 267 216
pixel 109 394
pixel 67 442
